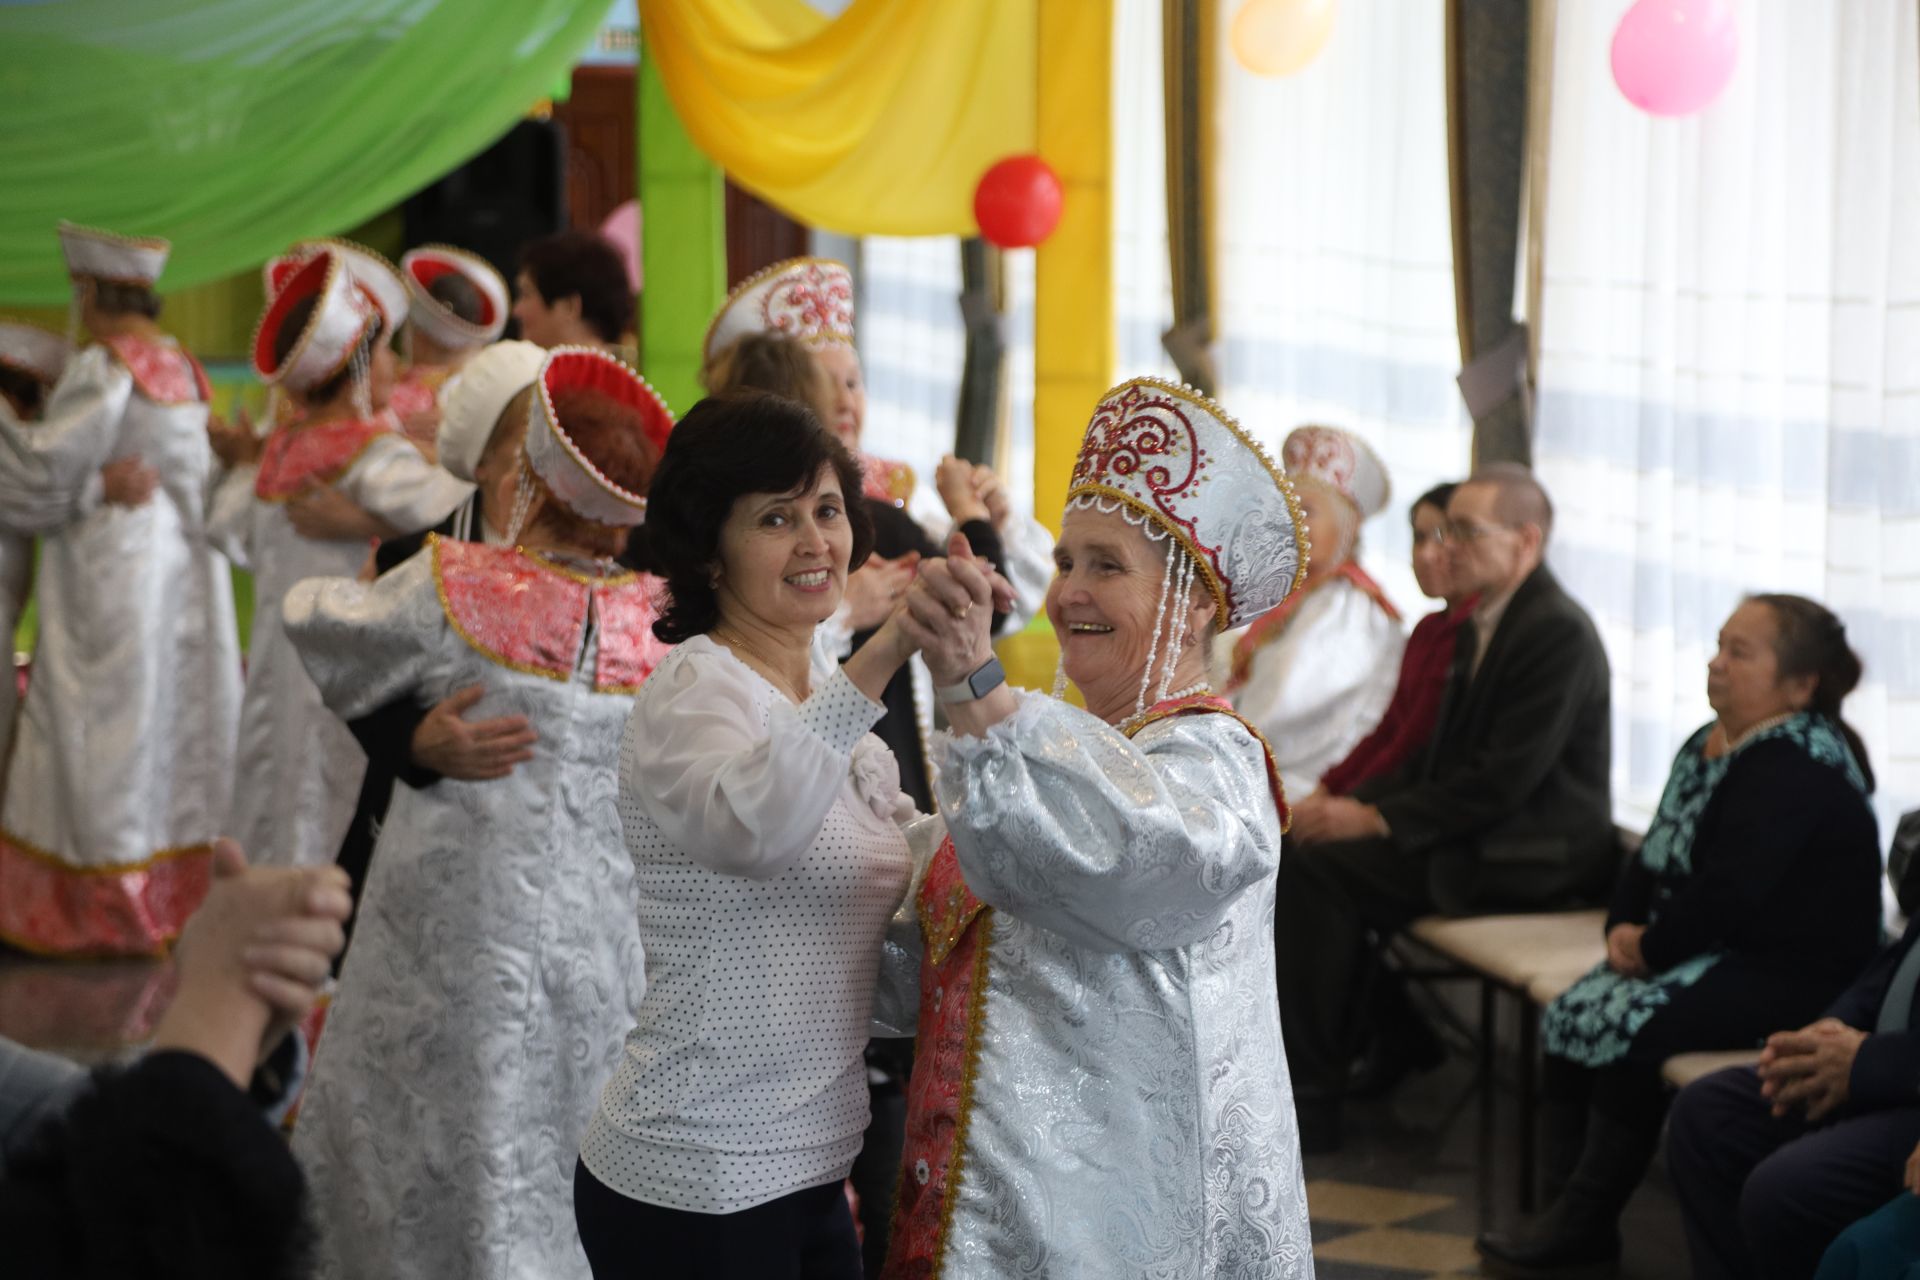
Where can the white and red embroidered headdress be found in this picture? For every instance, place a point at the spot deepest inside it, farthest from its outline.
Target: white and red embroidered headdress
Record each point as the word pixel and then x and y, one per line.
pixel 378 279
pixel 421 267
pixel 560 463
pixel 32 350
pixel 1341 461
pixel 806 298
pixel 341 317
pixel 105 255
pixel 1172 460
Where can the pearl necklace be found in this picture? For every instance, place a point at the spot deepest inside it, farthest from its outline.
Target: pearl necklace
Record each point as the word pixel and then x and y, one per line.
pixel 1191 691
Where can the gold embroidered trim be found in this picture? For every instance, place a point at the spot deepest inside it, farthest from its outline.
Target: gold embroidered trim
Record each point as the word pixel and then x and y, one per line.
pixel 619 579
pixel 1273 765
pixel 963 1109
pixel 27 849
pixel 434 544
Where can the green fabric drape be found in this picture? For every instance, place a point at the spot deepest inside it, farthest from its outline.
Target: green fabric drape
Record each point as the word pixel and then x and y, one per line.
pixel 234 127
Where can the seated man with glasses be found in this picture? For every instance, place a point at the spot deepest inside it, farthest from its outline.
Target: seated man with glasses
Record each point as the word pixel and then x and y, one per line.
pixel 1506 809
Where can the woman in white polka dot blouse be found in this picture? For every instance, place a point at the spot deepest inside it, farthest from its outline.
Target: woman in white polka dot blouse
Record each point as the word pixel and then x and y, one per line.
pixel 760 813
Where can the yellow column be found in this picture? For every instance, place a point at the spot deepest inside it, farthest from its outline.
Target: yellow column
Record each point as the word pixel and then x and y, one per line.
pixel 1073 341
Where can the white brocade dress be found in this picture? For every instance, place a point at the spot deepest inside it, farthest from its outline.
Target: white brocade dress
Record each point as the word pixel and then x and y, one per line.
pixel 1099 1085
pixel 1322 683
pixel 123 754
pixel 496 962
pixel 300 768
pixel 16 575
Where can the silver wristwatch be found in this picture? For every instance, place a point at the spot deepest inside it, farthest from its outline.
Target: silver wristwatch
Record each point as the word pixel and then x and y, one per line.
pixel 990 675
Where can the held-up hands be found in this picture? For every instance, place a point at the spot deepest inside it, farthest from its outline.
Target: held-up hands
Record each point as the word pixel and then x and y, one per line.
pixel 948 612
pixel 253 959
pixel 972 492
pixel 875 588
pixel 1810 1068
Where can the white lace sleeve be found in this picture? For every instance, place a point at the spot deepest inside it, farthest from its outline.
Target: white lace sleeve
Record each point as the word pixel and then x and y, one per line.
pixel 1116 844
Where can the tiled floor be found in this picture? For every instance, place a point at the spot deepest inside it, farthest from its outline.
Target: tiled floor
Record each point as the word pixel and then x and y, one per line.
pixel 1420 1174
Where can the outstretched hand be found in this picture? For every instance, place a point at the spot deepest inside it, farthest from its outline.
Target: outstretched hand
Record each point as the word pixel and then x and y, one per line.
pixel 471 750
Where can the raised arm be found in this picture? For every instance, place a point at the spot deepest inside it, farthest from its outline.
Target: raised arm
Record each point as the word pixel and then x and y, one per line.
pixel 1116 844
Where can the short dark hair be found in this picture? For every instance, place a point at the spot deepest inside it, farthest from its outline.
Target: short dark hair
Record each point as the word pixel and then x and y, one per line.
pixel 1519 496
pixel 291 325
pixel 1436 497
pixel 583 265
pixel 728 446
pixel 126 298
pixel 457 294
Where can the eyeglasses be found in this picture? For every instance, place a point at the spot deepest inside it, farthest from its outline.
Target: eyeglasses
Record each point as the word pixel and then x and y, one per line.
pixel 1431 537
pixel 1460 531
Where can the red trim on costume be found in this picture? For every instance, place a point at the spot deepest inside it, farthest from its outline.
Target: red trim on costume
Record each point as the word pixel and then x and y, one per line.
pixel 54 909
pixel 418 392
pixel 297 455
pixel 956 929
pixel 164 373
pixel 886 480
pixel 530 615
pixel 1266 628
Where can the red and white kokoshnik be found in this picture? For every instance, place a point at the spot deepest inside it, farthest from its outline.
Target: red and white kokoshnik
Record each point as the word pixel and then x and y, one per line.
pixel 560 463
pixel 342 314
pixel 806 298
pixel 107 255
pixel 421 267
pixel 1340 460
pixel 1168 457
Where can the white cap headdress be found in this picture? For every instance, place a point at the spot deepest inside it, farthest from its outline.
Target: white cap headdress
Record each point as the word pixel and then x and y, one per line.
pixel 806 298
pixel 1341 461
pixel 332 336
pixel 33 351
pixel 1178 465
pixel 377 277
pixel 421 267
pixel 106 255
pixel 475 397
pixel 550 453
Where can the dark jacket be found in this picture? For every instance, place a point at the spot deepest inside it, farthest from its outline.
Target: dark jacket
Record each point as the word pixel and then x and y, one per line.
pixel 1886 1071
pixel 1785 870
pixel 1510 804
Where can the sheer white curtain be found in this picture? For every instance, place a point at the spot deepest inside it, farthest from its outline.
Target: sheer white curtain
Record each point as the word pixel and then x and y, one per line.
pixel 1336 271
pixel 1730 371
pixel 1142 270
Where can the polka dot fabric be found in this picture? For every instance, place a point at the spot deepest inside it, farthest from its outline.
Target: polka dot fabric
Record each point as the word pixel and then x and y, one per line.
pixel 743 1079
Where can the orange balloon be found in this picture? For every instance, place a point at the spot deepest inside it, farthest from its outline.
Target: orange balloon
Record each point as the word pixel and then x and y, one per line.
pixel 1279 37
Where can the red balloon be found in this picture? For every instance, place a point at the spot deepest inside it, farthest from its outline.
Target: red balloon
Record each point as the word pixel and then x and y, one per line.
pixel 1017 203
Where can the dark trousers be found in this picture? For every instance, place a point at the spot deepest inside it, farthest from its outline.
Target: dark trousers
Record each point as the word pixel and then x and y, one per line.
pixel 1329 896
pixel 807 1235
pixel 1763 1198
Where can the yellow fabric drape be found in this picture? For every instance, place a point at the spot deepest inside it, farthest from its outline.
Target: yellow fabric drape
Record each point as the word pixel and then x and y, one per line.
pixel 1073 340
pixel 878 122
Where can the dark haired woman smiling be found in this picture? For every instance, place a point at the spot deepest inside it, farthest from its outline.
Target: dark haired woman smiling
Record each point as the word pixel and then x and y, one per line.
pixel 760 814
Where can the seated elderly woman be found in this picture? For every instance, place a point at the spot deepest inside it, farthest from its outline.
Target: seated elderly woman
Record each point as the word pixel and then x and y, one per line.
pixel 1099 1085
pixel 1316 672
pixel 1752 903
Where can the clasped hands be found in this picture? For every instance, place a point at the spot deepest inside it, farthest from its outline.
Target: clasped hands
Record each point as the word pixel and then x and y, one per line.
pixel 947 612
pixel 1810 1069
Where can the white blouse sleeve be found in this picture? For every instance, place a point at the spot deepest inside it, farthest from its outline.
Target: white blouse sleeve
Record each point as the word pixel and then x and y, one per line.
pixel 394 481
pixel 1115 844
pixel 50 469
pixel 740 791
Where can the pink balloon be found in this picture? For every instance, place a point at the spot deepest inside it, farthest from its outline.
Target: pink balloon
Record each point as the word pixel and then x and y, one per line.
pixel 623 228
pixel 1673 57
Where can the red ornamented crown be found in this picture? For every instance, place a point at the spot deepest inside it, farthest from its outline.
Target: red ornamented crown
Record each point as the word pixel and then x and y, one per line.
pixel 1340 460
pixel 1168 455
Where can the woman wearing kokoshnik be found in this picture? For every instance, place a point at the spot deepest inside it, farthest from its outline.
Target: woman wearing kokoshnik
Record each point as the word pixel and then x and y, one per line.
pixel 1100 1086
